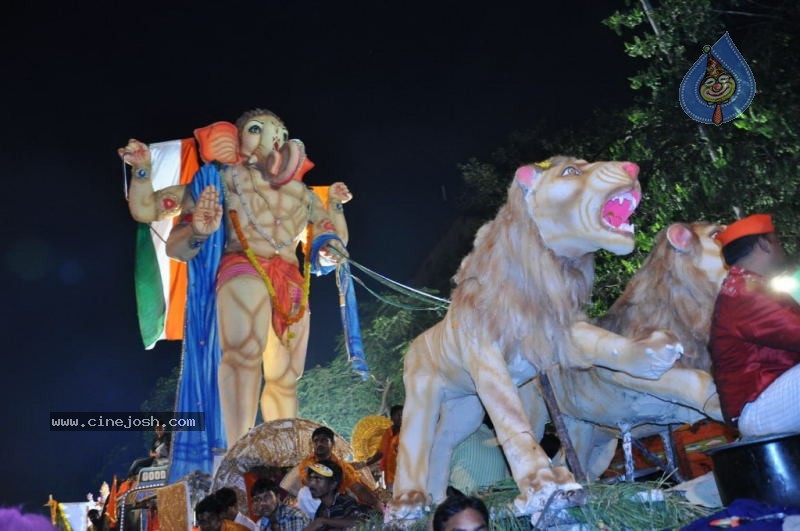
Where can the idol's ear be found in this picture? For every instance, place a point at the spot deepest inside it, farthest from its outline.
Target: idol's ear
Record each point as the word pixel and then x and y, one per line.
pixel 679 237
pixel 219 141
pixel 305 167
pixel 526 176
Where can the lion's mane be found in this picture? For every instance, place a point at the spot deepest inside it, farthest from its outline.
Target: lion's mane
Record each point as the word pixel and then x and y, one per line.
pixel 511 279
pixel 671 292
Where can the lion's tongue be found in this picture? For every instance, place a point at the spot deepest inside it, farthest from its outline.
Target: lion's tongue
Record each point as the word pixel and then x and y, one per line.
pixel 615 214
pixel 619 209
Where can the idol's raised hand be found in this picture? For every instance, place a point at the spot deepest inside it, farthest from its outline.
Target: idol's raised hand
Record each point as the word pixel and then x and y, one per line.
pixel 135 153
pixel 207 214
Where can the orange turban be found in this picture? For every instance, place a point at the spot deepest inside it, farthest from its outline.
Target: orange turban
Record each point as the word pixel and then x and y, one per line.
pixel 755 224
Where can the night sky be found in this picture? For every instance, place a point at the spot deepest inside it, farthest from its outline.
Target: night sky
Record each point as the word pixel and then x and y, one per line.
pixel 387 96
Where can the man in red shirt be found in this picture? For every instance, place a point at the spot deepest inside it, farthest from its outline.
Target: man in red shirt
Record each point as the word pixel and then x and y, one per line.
pixel 755 334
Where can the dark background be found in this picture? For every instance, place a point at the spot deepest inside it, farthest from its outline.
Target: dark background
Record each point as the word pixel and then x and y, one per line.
pixel 387 96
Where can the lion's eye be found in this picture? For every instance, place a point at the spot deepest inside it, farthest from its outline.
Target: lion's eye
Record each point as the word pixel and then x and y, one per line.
pixel 570 170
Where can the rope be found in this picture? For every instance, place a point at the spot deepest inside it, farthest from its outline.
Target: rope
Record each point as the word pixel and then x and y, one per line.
pixel 434 303
pixel 395 303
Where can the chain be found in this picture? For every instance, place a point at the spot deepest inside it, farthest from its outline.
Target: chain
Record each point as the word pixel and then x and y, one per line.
pixel 251 218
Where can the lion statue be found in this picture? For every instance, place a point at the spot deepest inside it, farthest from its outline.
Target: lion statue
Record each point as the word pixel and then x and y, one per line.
pixel 675 289
pixel 518 308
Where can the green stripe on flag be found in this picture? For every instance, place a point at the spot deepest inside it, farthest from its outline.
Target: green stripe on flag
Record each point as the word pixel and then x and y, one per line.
pixel 150 303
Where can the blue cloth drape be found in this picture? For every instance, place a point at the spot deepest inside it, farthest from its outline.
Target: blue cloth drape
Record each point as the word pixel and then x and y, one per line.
pixel 197 387
pixel 352 328
pixel 348 305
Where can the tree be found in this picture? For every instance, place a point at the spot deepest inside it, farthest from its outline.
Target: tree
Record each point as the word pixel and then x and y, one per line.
pixel 689 171
pixel 695 171
pixel 335 396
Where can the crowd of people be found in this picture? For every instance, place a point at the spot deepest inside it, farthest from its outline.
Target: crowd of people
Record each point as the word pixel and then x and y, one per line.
pixel 332 496
pixel 218 511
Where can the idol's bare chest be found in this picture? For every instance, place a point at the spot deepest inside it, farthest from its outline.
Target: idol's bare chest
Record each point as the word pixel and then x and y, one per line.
pixel 246 189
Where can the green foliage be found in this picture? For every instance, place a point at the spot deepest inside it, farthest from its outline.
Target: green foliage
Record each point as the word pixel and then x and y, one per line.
pixel 689 171
pixel 641 505
pixel 162 397
pixel 481 179
pixel 692 171
pixel 335 396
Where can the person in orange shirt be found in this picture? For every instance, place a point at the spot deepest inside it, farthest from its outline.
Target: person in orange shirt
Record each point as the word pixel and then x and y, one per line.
pixel 322 443
pixel 387 451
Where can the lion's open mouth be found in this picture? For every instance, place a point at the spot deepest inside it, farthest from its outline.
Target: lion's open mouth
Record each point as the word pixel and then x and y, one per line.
pixel 619 208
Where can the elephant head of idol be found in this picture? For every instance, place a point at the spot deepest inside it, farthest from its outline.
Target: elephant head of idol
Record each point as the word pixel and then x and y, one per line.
pixel 259 140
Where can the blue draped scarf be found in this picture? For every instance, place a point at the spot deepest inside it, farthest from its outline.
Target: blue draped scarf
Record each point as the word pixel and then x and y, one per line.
pixel 197 386
pixel 348 305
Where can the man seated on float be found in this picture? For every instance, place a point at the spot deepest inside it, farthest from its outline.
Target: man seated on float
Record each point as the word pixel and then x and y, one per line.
pixel 227 498
pixel 322 443
pixel 272 513
pixel 336 510
pixel 208 514
pixel 755 334
pixel 212 515
pixel 159 452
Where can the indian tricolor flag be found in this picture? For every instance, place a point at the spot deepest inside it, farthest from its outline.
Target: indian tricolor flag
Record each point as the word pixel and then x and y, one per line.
pixel 160 281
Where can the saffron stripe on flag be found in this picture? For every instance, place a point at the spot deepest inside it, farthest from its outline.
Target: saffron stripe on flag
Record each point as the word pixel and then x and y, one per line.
pixel 176 306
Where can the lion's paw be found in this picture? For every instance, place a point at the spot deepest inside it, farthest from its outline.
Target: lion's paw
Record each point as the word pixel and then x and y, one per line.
pixel 661 350
pixel 537 489
pixel 552 497
pixel 409 505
